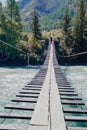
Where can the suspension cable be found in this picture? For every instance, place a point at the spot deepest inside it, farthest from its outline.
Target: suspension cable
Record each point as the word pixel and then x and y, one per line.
pixel 25 53
pixel 82 53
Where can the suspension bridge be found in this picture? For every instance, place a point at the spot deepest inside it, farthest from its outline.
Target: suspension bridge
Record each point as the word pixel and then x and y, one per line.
pixel 47 98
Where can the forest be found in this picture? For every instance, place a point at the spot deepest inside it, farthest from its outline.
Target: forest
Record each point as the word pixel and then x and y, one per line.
pixel 17 46
pixel 73 43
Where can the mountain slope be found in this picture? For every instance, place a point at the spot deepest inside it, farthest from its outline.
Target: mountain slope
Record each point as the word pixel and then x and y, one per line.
pixel 43 7
pixel 50 11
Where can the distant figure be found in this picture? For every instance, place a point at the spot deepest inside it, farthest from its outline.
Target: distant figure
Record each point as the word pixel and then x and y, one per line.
pixel 51 39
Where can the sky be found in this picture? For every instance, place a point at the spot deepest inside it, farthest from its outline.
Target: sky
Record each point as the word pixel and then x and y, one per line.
pixel 4 2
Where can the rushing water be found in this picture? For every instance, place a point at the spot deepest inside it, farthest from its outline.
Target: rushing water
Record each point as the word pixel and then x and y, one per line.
pixel 12 79
pixel 77 76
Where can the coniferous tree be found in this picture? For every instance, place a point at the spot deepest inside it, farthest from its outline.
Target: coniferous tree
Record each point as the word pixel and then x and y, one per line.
pixel 80 26
pixel 1 16
pixel 2 34
pixel 2 19
pixel 13 26
pixel 65 24
pixel 35 27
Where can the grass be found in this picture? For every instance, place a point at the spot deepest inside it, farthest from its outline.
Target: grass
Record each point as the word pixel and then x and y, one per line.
pixel 46 34
pixel 53 33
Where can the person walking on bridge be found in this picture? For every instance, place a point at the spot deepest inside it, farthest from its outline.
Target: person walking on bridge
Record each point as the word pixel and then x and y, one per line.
pixel 51 39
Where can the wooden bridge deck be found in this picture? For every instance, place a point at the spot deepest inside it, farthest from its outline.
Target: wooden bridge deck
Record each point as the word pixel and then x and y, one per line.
pixel 47 98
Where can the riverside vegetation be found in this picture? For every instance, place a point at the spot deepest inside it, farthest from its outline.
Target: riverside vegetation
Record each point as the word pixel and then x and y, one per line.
pixel 74 35
pixel 70 37
pixel 11 32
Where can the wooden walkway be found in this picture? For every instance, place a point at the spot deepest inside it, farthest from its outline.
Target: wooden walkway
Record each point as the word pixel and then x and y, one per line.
pixel 46 101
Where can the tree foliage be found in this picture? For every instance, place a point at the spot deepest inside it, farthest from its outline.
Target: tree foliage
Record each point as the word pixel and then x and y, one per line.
pixel 35 26
pixel 80 27
pixel 75 35
pixel 13 27
pixel 65 24
pixel 2 19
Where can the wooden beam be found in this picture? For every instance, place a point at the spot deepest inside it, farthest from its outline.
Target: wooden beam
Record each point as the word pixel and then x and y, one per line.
pixel 76 128
pixel 30 92
pixel 13 127
pixel 30 100
pixel 69 94
pixel 66 90
pixel 70 98
pixel 14 116
pixel 18 107
pixel 69 88
pixel 66 102
pixel 27 95
pixel 76 118
pixel 75 110
pixel 36 89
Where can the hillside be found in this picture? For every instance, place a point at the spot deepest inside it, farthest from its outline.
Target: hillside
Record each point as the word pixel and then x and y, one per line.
pixel 43 7
pixel 50 11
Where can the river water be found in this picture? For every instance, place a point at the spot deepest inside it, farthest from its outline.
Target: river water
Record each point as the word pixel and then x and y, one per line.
pixel 12 79
pixel 77 76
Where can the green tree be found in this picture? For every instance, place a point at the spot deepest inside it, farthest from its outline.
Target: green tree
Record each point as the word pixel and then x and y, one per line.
pixel 79 28
pixel 2 19
pixel 13 26
pixel 3 54
pixel 35 27
pixel 65 24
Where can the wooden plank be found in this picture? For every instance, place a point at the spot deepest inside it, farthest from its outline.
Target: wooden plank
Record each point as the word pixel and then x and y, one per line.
pixel 40 75
pixel 76 128
pixel 13 127
pixel 38 79
pixel 69 88
pixel 75 110
pixel 33 86
pixel 63 90
pixel 34 89
pixel 63 85
pixel 41 106
pixel 61 82
pixel 66 102
pixel 29 92
pixel 69 93
pixel 35 83
pixel 57 117
pixel 14 116
pixel 27 95
pixel 37 127
pixel 19 107
pixel 76 118
pixel 70 98
pixel 30 100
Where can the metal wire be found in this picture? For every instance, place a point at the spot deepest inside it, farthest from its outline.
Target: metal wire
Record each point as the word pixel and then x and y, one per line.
pixel 82 53
pixel 26 54
pixel 13 47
